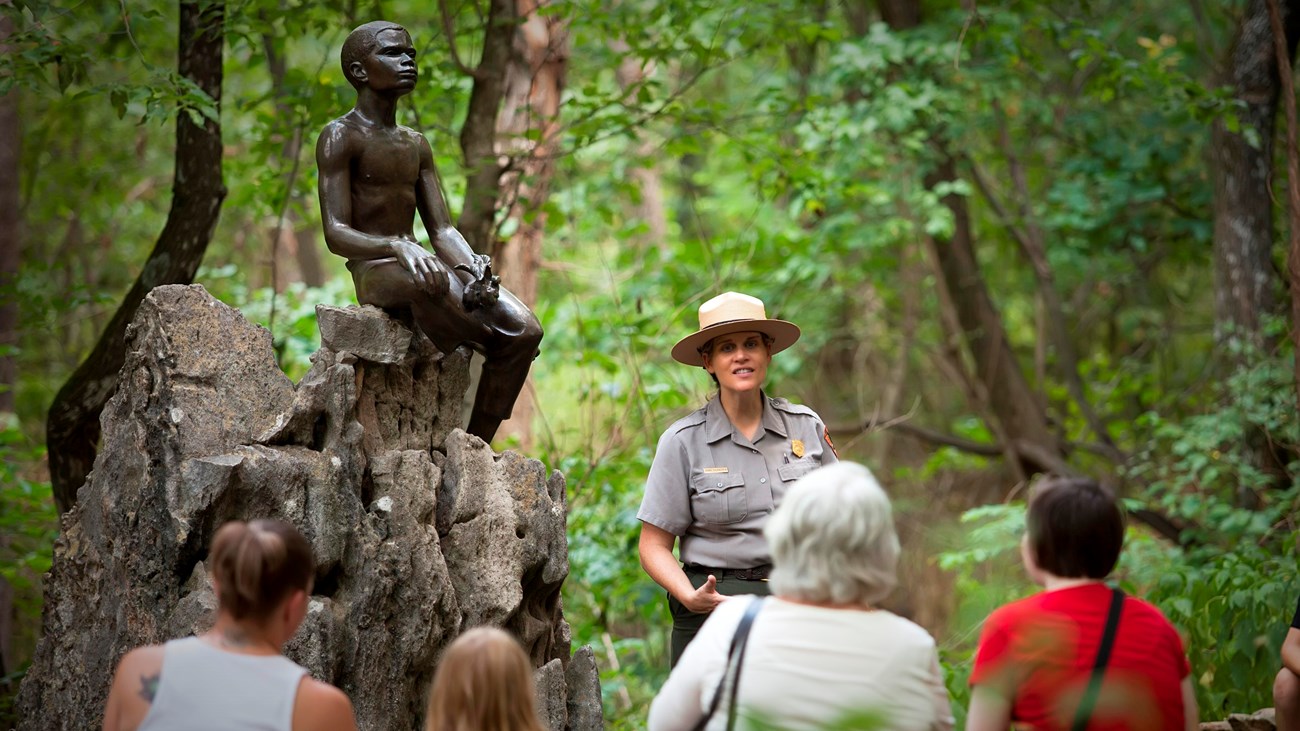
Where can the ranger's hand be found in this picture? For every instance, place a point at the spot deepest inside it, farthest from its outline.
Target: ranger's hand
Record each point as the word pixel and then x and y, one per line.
pixel 706 598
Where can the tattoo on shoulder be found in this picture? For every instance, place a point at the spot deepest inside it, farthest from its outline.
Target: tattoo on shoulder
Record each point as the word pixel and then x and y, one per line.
pixel 149 686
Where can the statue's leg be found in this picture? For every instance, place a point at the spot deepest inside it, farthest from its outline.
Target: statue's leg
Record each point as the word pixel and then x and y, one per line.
pixel 509 351
pixel 507 333
pixel 441 319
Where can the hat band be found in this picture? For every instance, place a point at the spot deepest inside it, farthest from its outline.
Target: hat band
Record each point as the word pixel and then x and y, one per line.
pixel 734 319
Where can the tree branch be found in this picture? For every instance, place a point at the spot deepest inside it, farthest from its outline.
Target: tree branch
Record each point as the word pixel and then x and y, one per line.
pixel 1047 461
pixel 932 436
pixel 478 135
pixel 1030 239
pixel 449 30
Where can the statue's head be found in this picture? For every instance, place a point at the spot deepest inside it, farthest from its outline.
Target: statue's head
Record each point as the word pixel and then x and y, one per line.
pixel 362 42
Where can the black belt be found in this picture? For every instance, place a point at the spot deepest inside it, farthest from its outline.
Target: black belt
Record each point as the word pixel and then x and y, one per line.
pixel 757 573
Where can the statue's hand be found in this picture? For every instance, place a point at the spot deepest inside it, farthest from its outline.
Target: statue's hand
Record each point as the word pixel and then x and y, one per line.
pixel 429 273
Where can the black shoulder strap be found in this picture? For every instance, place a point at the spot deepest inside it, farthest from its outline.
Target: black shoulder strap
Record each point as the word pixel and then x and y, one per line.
pixel 742 634
pixel 736 651
pixel 739 640
pixel 1099 668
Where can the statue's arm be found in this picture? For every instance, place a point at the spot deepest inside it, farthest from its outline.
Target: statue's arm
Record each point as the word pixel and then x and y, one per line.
pixel 334 185
pixel 449 244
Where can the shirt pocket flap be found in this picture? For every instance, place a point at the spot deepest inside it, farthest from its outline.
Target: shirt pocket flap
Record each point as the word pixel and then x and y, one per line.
pixel 719 498
pixel 795 470
pixel 715 481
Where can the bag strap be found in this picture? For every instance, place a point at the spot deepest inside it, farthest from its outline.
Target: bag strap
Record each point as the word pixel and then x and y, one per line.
pixel 1099 667
pixel 738 642
pixel 743 630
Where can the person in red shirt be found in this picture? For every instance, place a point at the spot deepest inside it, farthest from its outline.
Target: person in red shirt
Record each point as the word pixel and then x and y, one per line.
pixel 1036 656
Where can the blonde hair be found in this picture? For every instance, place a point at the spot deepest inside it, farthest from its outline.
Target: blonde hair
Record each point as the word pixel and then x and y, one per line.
pixel 484 683
pixel 257 565
pixel 832 539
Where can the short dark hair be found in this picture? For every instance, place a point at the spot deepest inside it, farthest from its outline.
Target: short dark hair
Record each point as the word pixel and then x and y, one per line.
pixel 362 42
pixel 1076 527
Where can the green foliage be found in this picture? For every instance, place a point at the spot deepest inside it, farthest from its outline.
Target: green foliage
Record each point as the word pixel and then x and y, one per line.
pixel 796 149
pixel 28 526
pixel 1233 608
pixel 1232 587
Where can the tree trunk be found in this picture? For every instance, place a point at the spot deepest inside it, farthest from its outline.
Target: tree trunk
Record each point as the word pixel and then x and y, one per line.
pixel 900 14
pixel 527 130
pixel 857 13
pixel 1293 183
pixel 10 233
pixel 478 136
pixel 7 664
pixel 1002 387
pixel 310 267
pixel 72 430
pixel 1244 279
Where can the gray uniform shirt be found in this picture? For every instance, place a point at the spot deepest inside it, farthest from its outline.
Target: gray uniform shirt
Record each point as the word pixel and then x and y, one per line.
pixel 714 488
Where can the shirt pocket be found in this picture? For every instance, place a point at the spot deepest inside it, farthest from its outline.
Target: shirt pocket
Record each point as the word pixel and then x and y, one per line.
pixel 719 498
pixel 794 470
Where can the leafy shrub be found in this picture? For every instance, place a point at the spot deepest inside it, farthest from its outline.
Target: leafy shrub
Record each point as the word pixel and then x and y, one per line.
pixel 29 524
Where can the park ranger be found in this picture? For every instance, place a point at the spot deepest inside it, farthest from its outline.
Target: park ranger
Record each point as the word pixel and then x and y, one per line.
pixel 719 472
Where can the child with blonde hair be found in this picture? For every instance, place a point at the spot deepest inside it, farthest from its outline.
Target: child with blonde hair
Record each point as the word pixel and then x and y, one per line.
pixel 484 683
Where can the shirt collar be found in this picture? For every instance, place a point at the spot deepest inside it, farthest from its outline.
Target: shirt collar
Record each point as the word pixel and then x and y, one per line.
pixel 720 427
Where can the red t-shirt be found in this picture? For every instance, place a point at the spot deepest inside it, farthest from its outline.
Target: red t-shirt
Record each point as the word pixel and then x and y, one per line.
pixel 1039 652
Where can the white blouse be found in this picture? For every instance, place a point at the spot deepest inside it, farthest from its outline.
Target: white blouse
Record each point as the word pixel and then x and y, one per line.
pixel 807 666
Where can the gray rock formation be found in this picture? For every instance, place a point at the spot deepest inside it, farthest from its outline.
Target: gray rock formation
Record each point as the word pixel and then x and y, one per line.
pixel 420 530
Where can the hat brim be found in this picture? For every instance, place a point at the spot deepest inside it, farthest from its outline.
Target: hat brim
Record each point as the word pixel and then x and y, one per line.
pixel 687 350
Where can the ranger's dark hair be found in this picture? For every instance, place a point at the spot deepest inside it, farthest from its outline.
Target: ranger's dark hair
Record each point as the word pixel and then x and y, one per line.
pixel 1076 527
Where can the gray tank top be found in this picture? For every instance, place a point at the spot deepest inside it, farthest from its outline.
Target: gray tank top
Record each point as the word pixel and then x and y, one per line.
pixel 203 688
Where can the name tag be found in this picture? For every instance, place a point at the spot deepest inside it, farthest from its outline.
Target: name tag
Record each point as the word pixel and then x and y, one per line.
pixel 714 470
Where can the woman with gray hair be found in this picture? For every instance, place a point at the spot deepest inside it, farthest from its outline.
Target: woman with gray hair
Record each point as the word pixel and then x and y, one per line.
pixel 820 651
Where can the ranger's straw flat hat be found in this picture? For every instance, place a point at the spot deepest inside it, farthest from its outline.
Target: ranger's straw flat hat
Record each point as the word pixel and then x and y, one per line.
pixel 732 312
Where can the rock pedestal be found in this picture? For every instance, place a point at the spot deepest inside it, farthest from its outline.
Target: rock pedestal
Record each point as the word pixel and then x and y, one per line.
pixel 420 529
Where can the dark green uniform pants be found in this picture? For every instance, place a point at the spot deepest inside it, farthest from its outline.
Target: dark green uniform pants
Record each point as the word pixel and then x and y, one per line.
pixel 687 623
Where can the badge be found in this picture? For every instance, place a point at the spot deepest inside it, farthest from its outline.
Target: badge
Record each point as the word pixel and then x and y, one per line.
pixel 796 447
pixel 714 470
